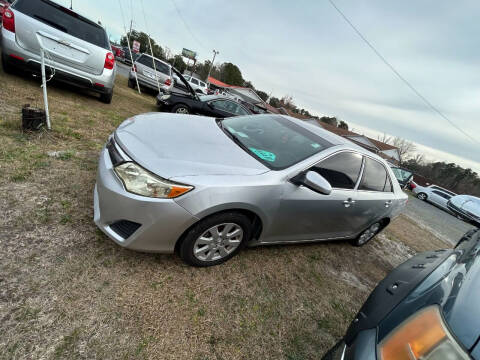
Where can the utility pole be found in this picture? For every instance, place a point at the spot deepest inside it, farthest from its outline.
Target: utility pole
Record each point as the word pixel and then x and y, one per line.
pixel 215 53
pixel 71 5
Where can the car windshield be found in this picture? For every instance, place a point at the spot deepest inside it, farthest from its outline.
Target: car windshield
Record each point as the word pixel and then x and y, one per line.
pixel 274 140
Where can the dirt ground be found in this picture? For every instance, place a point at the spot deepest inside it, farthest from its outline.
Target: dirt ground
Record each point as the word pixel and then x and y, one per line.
pixel 68 292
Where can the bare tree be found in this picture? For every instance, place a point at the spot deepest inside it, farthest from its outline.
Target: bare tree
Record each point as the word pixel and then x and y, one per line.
pixel 385 138
pixel 405 148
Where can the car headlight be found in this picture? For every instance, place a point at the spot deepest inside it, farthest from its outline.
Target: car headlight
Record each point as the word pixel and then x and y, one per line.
pixel 139 181
pixel 421 336
pixel 165 97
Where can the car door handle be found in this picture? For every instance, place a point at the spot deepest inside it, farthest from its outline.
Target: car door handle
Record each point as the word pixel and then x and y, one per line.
pixel 349 202
pixel 388 203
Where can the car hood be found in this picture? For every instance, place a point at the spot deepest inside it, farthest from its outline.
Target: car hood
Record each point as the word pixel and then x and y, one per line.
pixel 467 203
pixel 173 145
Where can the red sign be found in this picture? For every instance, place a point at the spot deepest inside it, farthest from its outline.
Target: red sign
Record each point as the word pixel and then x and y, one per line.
pixel 136 46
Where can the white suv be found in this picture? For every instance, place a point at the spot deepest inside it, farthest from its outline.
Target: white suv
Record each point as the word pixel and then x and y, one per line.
pixel 198 85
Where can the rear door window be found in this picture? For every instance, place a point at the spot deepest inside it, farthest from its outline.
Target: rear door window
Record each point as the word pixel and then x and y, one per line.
pixel 194 81
pixel 442 194
pixel 341 170
pixel 375 177
pixel 64 20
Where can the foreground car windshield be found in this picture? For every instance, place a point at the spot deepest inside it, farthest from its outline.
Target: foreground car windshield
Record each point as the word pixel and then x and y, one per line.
pixel 273 140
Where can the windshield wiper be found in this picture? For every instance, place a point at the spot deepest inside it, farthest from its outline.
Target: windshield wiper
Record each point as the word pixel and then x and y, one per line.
pixel 232 136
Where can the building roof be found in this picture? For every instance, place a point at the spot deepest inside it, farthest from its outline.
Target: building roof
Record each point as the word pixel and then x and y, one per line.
pixel 288 112
pixel 373 145
pixel 219 83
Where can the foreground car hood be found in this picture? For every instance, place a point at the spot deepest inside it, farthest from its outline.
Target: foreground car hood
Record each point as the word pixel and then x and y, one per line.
pixel 173 145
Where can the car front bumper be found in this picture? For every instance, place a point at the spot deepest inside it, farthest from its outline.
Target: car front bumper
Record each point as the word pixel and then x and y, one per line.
pixel 136 222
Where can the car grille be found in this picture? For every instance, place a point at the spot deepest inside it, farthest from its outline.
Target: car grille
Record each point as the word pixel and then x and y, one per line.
pixel 125 228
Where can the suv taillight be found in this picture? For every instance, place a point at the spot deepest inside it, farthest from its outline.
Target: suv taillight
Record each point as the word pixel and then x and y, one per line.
pixel 134 68
pixel 168 82
pixel 109 61
pixel 8 20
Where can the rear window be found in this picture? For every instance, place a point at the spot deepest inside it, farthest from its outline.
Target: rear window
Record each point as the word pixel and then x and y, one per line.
pixel 148 61
pixel 64 20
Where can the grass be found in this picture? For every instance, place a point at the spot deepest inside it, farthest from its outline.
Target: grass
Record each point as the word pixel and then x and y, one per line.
pixel 67 291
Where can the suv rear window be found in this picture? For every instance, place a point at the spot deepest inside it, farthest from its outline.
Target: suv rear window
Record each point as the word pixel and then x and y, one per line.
pixel 148 61
pixel 64 20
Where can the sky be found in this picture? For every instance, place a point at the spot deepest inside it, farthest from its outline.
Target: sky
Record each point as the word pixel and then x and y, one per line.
pixel 306 49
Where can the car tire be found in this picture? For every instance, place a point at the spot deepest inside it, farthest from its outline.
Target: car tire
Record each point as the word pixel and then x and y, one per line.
pixel 131 83
pixel 181 109
pixel 368 234
pixel 215 239
pixel 7 68
pixel 422 196
pixel 106 97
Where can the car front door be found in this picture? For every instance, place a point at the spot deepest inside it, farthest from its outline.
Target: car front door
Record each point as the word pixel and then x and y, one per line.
pixel 375 196
pixel 304 214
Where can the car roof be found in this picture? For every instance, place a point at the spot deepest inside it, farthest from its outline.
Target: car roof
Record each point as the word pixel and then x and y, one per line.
pixel 163 62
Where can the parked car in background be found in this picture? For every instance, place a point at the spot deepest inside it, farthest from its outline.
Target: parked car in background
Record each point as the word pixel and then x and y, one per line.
pixel 3 5
pixel 207 187
pixel 118 52
pixel 78 49
pixel 403 176
pixel 182 99
pixel 434 194
pixel 426 308
pixel 198 85
pixel 466 207
pixel 150 75
pixel 208 105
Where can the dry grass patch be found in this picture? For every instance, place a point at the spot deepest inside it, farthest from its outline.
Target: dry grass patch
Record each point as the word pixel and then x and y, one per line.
pixel 68 292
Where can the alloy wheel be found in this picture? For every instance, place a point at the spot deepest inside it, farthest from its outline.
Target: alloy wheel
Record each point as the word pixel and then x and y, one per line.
pixel 369 233
pixel 218 242
pixel 422 196
pixel 182 110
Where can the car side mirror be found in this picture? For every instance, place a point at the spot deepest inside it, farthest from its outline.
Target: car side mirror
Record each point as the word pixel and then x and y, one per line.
pixel 313 181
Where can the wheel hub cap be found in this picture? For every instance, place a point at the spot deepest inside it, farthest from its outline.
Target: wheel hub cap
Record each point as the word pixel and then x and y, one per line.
pixel 218 242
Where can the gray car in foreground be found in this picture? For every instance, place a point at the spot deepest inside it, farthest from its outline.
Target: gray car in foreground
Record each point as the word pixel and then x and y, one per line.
pixel 78 49
pixel 206 187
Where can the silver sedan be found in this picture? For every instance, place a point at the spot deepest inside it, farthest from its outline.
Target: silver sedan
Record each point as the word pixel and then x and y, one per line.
pixel 205 187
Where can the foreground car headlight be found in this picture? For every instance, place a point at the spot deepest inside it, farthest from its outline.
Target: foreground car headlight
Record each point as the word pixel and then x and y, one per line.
pixel 165 97
pixel 421 336
pixel 139 181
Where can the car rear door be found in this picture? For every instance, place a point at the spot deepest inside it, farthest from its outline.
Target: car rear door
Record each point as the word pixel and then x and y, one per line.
pixel 304 214
pixel 375 196
pixel 69 38
pixel 440 198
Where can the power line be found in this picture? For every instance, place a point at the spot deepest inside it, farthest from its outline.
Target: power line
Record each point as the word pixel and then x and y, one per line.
pixel 405 81
pixel 187 26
